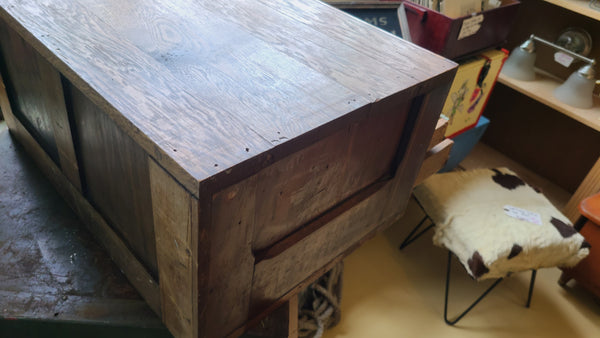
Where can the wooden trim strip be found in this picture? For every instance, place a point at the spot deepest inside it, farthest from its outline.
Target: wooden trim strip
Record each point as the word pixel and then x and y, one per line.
pixel 439 132
pixel 435 159
pixel 255 320
pixel 320 221
pixel 175 227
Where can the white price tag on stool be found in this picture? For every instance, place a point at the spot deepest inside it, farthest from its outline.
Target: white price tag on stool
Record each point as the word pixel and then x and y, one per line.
pixel 522 214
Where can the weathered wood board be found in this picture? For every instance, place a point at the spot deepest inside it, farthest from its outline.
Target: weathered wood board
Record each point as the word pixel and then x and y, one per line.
pixel 224 152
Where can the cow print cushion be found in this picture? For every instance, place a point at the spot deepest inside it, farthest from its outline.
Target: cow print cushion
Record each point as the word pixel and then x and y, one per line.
pixel 468 208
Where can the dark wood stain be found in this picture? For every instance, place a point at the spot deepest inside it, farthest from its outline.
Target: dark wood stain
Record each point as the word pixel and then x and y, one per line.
pixel 153 92
pixel 38 99
pixel 28 98
pixel 302 186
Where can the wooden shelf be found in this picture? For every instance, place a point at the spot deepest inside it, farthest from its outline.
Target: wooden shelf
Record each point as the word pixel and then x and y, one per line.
pixel 578 6
pixel 542 90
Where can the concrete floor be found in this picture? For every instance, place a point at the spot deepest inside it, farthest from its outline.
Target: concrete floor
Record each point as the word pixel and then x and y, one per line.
pixel 55 281
pixel 392 293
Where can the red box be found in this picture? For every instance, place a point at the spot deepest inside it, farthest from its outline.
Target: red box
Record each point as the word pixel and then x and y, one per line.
pixel 442 35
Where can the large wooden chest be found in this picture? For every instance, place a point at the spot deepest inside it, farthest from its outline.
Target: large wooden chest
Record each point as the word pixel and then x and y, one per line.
pixel 225 152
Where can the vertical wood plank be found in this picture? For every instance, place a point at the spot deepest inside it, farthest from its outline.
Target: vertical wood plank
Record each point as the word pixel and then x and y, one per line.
pixel 435 159
pixel 115 172
pixel 175 226
pixel 408 169
pixel 5 106
pixel 61 128
pixel 438 133
pixel 282 322
pixel 589 186
pixel 26 89
pixel 39 98
pixel 293 317
pixel 231 261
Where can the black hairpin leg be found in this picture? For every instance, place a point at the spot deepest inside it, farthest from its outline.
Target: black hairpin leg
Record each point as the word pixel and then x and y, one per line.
pixel 411 236
pixel 452 322
pixel 531 283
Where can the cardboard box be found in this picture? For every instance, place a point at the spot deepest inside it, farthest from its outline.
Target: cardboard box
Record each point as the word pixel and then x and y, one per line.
pixel 470 90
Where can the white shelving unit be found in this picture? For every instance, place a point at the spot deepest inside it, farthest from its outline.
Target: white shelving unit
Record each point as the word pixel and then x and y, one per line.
pixel 542 90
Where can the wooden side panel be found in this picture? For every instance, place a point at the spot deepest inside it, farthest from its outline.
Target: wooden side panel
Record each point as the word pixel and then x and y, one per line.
pixel 61 127
pixel 175 214
pixel 429 113
pixel 274 277
pixel 37 95
pixel 27 89
pixel 116 178
pixel 231 261
pixel 6 108
pixel 302 186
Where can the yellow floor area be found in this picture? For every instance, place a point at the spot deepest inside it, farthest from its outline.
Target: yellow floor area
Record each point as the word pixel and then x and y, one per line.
pixel 392 293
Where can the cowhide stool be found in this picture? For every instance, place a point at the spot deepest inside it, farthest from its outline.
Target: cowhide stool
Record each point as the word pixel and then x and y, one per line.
pixel 496 225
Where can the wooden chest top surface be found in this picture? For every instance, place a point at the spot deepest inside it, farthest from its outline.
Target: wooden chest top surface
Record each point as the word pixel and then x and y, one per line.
pixel 203 86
